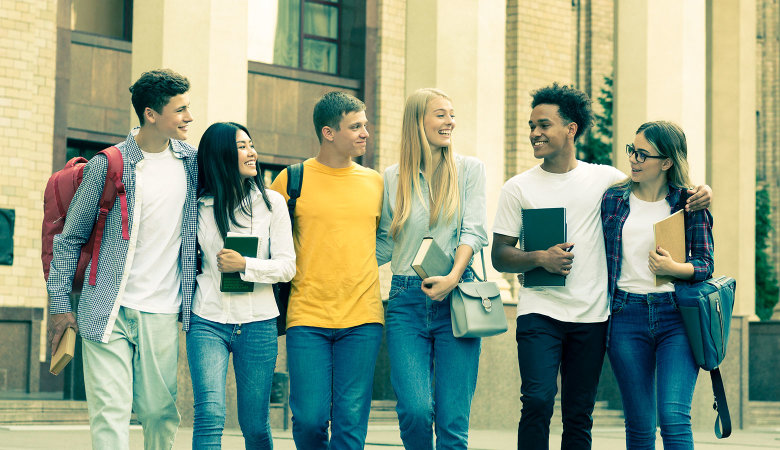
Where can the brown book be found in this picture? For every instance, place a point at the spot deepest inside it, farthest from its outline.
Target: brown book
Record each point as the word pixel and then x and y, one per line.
pixel 670 235
pixel 65 351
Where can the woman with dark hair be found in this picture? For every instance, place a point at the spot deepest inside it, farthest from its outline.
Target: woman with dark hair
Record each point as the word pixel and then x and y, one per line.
pixel 234 201
pixel 647 343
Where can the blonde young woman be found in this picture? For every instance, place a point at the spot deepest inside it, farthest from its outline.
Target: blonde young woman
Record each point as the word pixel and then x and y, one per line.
pixel 431 192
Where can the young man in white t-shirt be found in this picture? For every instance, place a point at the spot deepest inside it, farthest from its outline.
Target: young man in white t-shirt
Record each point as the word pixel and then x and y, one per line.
pixel 560 326
pixel 146 271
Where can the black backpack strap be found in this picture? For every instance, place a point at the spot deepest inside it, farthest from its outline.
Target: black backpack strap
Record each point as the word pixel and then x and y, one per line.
pixel 294 183
pixel 723 419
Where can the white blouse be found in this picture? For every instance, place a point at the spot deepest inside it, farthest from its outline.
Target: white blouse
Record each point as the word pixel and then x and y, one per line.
pixel 275 262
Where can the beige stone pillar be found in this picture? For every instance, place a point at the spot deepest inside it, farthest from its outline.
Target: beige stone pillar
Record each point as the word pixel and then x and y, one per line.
pixel 660 73
pixel 458 46
pixel 204 40
pixel 731 141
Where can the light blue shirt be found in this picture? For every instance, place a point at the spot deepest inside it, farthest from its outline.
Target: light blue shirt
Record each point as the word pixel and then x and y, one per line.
pixel 471 184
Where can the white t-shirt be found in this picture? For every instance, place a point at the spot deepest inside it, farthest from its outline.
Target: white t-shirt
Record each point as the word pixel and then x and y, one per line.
pixel 638 240
pixel 584 298
pixel 154 280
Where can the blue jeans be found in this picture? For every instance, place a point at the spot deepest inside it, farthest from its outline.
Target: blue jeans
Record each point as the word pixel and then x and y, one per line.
pixel 331 379
pixel 648 345
pixel 254 349
pixel 423 354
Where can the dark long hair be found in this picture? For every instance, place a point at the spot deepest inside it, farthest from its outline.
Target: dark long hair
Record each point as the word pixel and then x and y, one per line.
pixel 218 175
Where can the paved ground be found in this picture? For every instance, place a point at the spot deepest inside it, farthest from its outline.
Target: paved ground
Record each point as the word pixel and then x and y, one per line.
pixel 379 438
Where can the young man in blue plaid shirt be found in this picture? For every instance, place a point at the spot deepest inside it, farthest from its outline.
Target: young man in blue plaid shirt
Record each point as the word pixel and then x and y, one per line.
pixel 560 327
pixel 145 280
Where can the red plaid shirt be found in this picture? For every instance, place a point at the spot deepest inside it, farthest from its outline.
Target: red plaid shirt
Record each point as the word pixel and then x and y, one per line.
pixel 699 245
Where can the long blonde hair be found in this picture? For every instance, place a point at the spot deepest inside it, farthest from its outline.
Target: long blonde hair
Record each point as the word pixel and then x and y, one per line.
pixel 415 158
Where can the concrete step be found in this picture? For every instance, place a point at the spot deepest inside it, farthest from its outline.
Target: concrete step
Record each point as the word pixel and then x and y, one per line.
pixel 49 412
pixel 46 412
pixel 603 416
pixel 764 414
pixel 382 412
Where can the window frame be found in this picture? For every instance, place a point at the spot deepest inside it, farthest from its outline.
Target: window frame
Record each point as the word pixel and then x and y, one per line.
pixel 302 35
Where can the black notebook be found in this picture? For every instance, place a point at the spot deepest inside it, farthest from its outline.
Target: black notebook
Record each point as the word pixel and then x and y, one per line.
pixel 543 228
pixel 247 247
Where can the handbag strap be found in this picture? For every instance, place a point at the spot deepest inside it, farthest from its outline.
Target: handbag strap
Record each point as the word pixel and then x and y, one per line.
pixel 723 418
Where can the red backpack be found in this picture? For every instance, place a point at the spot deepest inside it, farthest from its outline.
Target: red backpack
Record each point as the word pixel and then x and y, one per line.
pixel 59 192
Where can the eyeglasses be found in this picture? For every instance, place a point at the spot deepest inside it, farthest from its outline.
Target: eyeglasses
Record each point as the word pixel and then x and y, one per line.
pixel 640 156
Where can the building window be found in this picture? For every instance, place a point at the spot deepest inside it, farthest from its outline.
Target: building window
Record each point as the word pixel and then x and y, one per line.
pixel 304 34
pixel 110 18
pixel 85 149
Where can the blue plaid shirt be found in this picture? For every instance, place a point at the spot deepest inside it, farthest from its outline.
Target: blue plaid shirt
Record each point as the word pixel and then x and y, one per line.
pixel 699 245
pixel 97 307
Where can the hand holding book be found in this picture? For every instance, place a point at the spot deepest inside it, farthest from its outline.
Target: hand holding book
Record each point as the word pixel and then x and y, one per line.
pixel 558 259
pixel 232 258
pixel 544 230
pixel 229 261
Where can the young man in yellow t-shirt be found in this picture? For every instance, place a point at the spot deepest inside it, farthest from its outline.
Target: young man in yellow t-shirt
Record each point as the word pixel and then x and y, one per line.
pixel 335 315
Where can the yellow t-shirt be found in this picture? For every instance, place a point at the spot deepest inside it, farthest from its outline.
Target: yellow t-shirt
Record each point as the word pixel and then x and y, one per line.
pixel 337 280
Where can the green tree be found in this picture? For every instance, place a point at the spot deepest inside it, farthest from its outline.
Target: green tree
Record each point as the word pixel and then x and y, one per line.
pixel 766 279
pixel 596 146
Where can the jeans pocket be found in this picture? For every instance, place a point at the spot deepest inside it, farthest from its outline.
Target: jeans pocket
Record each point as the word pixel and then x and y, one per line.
pixel 395 290
pixel 617 306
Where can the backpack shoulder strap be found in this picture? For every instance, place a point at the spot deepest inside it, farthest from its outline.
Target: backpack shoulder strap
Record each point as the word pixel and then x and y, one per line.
pixel 112 189
pixel 294 184
pixel 294 180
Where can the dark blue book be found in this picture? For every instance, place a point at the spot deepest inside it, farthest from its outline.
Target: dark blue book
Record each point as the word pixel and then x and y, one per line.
pixel 543 228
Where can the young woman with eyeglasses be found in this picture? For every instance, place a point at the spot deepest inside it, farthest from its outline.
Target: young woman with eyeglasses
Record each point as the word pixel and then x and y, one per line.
pixel 647 344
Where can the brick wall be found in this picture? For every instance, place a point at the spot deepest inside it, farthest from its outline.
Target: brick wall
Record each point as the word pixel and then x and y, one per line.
pixel 540 49
pixel 602 46
pixel 28 38
pixel 391 67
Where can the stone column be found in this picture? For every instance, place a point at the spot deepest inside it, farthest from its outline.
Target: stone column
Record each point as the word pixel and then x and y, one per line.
pixel 731 171
pixel 731 141
pixel 208 48
pixel 458 46
pixel 660 73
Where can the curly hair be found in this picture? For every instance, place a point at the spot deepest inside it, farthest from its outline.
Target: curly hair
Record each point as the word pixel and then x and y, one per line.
pixel 573 105
pixel 155 88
